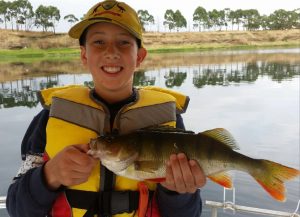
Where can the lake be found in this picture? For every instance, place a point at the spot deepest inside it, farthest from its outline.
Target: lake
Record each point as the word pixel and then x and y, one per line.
pixel 253 94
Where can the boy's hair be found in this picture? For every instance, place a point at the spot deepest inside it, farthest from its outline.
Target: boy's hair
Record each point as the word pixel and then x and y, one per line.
pixel 110 11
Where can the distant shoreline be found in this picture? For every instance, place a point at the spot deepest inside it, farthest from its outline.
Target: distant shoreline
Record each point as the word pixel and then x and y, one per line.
pixel 32 45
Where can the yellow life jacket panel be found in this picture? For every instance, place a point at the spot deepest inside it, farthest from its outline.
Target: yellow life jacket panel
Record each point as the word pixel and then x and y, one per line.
pixel 76 117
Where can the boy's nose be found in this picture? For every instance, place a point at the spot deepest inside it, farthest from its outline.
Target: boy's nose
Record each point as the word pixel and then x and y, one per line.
pixel 112 52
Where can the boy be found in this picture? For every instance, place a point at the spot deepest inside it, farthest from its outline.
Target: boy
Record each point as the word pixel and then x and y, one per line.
pixel 58 177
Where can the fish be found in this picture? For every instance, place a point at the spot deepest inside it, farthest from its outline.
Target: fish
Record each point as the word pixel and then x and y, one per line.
pixel 143 154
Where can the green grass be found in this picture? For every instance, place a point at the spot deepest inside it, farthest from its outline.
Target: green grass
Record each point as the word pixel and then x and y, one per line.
pixel 220 46
pixel 33 55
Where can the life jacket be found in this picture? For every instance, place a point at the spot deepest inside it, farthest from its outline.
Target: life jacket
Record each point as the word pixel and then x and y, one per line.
pixel 76 116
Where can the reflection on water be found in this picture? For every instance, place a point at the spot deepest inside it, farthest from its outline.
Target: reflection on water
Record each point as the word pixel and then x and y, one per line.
pixel 23 92
pixel 254 95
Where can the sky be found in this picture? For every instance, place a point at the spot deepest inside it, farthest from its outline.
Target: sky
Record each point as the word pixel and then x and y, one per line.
pixel 157 8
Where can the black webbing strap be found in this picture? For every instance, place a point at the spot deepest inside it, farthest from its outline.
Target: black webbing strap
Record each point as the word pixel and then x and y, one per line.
pixel 105 202
pixel 107 183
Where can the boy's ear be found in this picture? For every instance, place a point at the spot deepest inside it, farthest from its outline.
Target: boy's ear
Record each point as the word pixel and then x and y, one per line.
pixel 141 54
pixel 83 55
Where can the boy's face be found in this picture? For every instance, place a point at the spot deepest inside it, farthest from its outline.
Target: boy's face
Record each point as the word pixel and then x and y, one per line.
pixel 111 55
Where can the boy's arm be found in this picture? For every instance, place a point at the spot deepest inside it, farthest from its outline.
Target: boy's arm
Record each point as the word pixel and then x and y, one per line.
pixel 180 205
pixel 28 195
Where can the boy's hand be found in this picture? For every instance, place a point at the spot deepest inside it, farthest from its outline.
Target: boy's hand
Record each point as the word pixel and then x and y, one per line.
pixel 71 166
pixel 183 175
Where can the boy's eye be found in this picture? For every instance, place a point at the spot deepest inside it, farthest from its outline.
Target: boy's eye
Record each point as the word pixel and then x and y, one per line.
pixel 99 42
pixel 124 42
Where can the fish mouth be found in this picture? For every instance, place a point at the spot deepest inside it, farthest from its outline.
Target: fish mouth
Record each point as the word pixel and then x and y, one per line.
pixel 112 69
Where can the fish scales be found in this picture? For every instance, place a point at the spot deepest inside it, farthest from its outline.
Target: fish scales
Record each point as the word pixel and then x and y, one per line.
pixel 159 146
pixel 142 155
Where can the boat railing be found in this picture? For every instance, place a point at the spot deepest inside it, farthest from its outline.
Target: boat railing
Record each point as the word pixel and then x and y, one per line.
pixel 215 206
pixel 225 205
pixel 229 205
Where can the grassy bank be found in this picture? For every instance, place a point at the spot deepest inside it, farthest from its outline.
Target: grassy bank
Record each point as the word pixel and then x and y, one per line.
pixel 29 54
pixel 31 46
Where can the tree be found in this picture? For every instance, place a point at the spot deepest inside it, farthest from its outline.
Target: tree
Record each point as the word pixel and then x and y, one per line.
pixel 4 12
pixel 71 18
pixel 227 19
pixel 252 19
pixel 280 20
pixel 25 13
pixel 238 15
pixel 170 19
pixel 294 18
pixel 54 15
pixel 221 19
pixel 200 17
pixel 180 21
pixel 213 18
pixel 265 22
pixel 46 16
pixel 145 18
pixel 41 18
pixel 174 19
pixel 11 13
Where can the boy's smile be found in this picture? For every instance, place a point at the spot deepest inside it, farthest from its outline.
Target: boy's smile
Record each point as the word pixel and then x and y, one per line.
pixel 111 54
pixel 111 69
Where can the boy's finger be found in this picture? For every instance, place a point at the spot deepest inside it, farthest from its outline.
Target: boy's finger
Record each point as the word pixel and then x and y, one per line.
pixel 186 172
pixel 199 176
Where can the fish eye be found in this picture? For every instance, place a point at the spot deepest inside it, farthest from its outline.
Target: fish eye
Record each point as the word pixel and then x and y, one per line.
pixel 108 139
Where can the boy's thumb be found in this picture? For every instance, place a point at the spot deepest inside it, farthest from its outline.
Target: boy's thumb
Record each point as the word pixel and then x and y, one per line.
pixel 82 147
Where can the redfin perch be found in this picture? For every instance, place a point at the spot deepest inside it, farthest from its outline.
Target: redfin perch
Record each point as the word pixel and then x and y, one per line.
pixel 142 155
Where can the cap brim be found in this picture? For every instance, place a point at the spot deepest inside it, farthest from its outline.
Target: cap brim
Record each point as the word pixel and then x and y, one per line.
pixel 78 29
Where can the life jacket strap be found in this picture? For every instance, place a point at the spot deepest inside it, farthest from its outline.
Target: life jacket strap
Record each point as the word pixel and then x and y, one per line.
pixel 105 203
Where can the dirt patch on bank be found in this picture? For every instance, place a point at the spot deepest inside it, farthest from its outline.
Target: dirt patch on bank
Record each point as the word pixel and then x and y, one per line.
pixel 39 40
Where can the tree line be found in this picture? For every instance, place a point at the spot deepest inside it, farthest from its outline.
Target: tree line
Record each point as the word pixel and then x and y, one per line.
pixel 249 19
pixel 19 14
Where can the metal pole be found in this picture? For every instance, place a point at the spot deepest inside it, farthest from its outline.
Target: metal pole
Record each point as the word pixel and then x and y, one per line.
pixel 214 212
pixel 2 203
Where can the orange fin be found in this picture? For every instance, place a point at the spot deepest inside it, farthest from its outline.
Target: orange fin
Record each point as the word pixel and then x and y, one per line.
pixel 222 178
pixel 157 180
pixel 272 177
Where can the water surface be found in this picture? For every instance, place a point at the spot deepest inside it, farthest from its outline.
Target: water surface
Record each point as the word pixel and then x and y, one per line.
pixel 254 95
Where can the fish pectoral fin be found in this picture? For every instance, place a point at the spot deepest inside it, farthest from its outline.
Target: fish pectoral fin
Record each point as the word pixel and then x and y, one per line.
pixel 157 180
pixel 146 166
pixel 222 136
pixel 222 178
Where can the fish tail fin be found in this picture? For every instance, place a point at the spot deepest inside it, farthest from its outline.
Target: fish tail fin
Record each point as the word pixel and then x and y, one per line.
pixel 272 177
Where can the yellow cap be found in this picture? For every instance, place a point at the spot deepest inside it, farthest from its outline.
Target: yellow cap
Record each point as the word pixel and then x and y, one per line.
pixel 110 11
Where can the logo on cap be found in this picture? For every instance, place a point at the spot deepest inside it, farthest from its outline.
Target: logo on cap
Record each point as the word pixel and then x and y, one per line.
pixel 108 6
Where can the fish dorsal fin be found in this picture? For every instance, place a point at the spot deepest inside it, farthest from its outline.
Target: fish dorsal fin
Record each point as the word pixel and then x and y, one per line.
pixel 222 136
pixel 164 129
